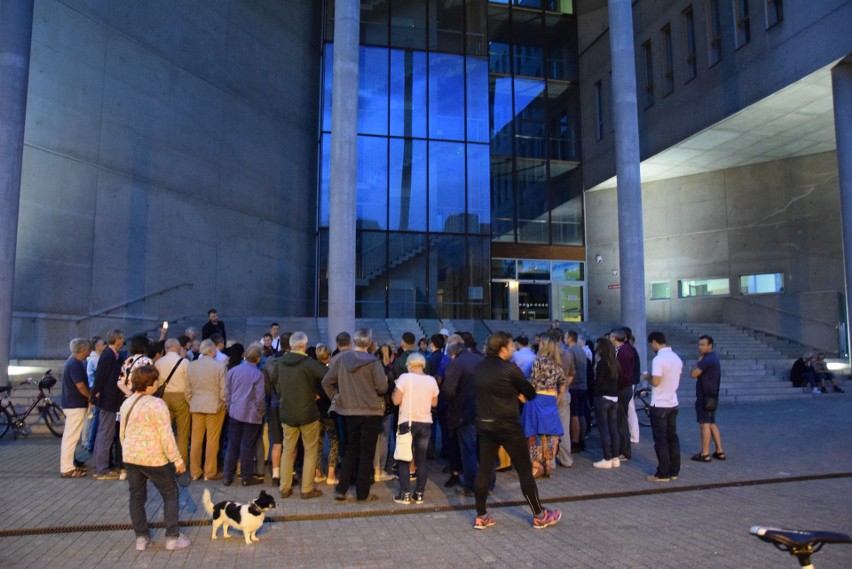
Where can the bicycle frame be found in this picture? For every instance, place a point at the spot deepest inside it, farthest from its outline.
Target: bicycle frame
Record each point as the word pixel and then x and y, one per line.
pixel 20 419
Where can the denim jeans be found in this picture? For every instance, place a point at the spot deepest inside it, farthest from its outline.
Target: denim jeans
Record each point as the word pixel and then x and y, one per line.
pixel 421 433
pixel 666 442
pixel 383 459
pixel 606 414
pixel 163 478
pixel 467 438
pixel 242 446
pixel 361 434
pixel 103 442
pixel 624 397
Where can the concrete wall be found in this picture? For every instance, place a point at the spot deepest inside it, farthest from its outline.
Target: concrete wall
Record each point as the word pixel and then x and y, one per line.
pixel 774 217
pixel 811 36
pixel 166 143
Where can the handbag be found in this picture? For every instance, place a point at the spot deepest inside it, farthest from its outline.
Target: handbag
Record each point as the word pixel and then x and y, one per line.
pixel 162 389
pixel 404 438
pixel 710 403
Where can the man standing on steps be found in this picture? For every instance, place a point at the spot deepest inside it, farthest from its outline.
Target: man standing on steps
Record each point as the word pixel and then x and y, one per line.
pixel 707 372
pixel 213 326
pixel 664 379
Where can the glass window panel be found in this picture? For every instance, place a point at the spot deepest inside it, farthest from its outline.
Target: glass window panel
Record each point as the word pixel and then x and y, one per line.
pixel 370 274
pixel 477 100
pixel 529 117
pixel 661 290
pixel 534 302
pixel 531 188
pixel 478 189
pixel 446 26
pixel 528 3
pixel 567 270
pixel 500 118
pixel 408 24
pixel 767 283
pixel 503 269
pixel 528 39
pixel 372 198
pixel 329 21
pixel 326 86
pixel 447 282
pixel 566 189
pixel 374 21
pixel 446 187
pixel 325 173
pixel 407 185
pixel 476 22
pixel 564 6
pixel 499 41
pixel 408 93
pixel 407 276
pixel 561 42
pixel 499 301
pixel 446 96
pixel 564 121
pixel 478 271
pixel 373 91
pixel 532 269
pixel 322 274
pixel 694 288
pixel 570 303
pixel 502 200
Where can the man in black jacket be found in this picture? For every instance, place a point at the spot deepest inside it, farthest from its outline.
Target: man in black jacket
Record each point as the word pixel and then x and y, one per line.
pixel 296 379
pixel 108 398
pixel 213 326
pixel 499 385
pixel 457 390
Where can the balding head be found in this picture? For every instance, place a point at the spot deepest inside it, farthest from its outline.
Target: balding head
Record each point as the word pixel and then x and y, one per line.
pixel 172 345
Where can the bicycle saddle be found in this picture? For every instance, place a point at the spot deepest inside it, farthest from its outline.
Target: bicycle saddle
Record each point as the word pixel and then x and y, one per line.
pixel 794 540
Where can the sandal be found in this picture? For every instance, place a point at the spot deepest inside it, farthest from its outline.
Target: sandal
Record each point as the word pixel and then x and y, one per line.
pixel 701 457
pixel 73 474
pixel 719 456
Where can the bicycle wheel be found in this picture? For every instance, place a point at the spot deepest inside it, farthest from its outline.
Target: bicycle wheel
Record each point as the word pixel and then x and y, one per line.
pixel 5 422
pixel 642 399
pixel 54 418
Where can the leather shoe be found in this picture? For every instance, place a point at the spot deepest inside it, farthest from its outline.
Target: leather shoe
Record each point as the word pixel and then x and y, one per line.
pixel 315 493
pixel 286 493
pixel 214 477
pixel 276 482
pixel 252 481
pixel 453 481
pixel 228 481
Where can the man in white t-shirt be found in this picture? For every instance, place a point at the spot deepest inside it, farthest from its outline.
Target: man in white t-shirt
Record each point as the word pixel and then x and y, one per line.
pixel 665 374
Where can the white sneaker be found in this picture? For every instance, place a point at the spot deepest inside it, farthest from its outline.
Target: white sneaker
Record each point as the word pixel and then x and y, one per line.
pixel 178 542
pixel 142 543
pixel 816 391
pixel 603 463
pixel 383 477
pixel 122 475
pixel 615 463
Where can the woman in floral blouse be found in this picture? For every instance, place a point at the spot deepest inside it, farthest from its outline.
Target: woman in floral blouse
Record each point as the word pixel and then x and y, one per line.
pixel 540 416
pixel 149 451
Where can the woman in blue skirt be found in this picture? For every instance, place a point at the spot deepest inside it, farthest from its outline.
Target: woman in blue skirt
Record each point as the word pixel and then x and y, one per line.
pixel 540 416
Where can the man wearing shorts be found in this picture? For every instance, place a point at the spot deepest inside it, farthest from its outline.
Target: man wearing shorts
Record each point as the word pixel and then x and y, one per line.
pixel 708 374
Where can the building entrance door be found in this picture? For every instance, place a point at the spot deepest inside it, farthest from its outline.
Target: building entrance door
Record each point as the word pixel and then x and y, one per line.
pixel 533 301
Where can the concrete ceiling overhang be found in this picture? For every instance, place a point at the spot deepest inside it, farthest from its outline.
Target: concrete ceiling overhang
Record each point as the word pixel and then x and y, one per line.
pixel 795 121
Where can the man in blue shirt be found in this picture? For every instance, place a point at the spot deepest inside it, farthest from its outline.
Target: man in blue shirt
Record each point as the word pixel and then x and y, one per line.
pixel 75 403
pixel 523 356
pixel 708 374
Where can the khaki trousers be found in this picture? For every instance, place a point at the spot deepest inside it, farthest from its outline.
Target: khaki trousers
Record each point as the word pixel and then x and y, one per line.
pixel 179 412
pixel 310 440
pixel 211 425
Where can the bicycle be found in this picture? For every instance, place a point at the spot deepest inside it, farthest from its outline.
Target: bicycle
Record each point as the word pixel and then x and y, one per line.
pixel 799 544
pixel 642 401
pixel 52 413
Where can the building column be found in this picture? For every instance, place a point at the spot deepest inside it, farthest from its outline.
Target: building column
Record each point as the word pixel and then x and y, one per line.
pixel 16 26
pixel 344 169
pixel 631 243
pixel 841 82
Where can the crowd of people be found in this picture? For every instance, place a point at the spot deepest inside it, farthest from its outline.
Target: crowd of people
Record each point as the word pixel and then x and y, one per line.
pixel 356 413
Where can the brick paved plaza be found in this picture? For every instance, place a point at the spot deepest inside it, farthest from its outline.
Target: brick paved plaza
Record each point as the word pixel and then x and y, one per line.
pixel 798 450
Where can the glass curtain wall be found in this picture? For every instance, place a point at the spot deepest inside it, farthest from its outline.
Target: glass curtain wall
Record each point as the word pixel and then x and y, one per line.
pixel 467 134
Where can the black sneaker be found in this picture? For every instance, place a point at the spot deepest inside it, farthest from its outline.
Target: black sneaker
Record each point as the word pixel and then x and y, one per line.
pixel 403 498
pixel 454 480
pixel 417 497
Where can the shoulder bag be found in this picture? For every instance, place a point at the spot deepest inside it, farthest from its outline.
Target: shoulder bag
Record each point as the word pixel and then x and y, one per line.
pixel 162 389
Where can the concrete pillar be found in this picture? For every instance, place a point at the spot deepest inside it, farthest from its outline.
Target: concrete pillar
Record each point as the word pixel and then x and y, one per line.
pixel 16 26
pixel 630 232
pixel 841 81
pixel 344 168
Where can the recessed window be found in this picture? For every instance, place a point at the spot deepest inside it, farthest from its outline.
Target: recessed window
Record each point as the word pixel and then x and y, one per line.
pixel 648 58
pixel 714 33
pixel 743 31
pixel 689 39
pixel 668 59
pixel 696 288
pixel 767 283
pixel 661 290
pixel 774 12
pixel 599 112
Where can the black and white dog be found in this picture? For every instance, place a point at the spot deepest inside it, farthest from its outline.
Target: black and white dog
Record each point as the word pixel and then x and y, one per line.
pixel 246 517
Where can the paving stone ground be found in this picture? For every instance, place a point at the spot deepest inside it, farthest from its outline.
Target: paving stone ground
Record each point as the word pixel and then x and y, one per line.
pixel 799 450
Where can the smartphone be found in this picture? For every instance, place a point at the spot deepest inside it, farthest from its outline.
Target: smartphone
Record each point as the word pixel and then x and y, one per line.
pixel 165 324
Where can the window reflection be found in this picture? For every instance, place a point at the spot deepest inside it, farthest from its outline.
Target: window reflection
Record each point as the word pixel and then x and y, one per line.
pixel 408 93
pixel 531 179
pixel 499 41
pixel 446 187
pixel 446 96
pixel 325 173
pixel 527 34
pixel 501 115
pixel 370 274
pixel 478 191
pixel 477 100
pixel 563 121
pixel 407 185
pixel 326 86
pixel 407 276
pixel 561 39
pixel 372 194
pixel 373 91
pixel 449 295
pixel 502 200
pixel 529 117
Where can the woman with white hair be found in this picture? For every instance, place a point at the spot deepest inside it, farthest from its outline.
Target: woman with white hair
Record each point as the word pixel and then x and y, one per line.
pixel 415 393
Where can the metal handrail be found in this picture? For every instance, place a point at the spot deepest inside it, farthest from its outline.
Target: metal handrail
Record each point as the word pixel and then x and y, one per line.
pixel 129 302
pixel 832 325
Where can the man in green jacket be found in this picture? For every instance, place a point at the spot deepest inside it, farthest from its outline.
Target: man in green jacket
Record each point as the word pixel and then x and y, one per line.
pixel 296 380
